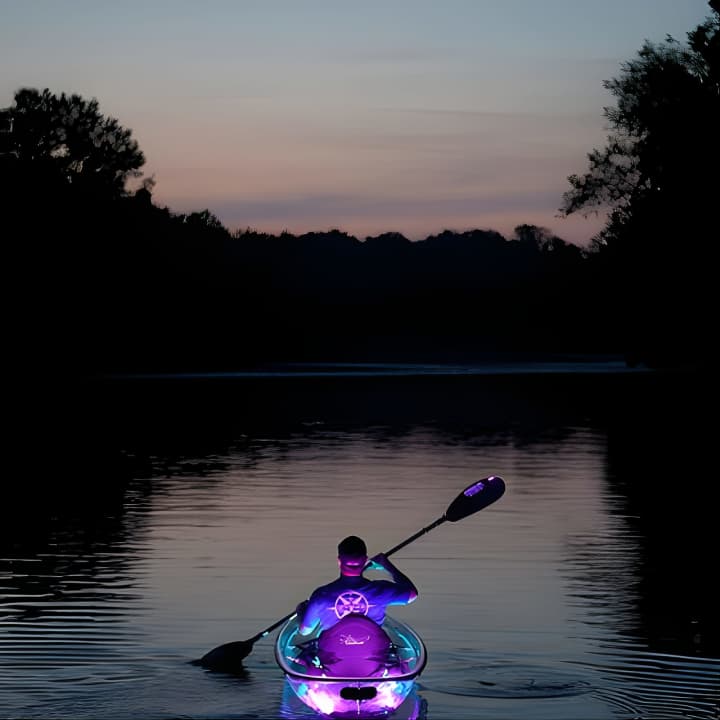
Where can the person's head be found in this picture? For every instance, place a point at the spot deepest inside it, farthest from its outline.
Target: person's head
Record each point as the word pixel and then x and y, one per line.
pixel 352 555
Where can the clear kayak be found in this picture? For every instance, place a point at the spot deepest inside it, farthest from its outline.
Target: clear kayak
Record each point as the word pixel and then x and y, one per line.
pixel 354 669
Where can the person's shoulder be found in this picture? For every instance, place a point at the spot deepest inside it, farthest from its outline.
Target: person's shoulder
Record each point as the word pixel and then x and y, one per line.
pixel 387 586
pixel 382 584
pixel 322 589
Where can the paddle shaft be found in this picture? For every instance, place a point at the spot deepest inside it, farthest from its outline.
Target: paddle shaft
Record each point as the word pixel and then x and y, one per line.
pixel 418 534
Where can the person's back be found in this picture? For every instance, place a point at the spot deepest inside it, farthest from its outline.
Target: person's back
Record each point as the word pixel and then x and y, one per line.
pixel 352 593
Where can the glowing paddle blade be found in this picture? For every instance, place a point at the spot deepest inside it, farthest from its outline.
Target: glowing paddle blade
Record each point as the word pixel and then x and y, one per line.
pixel 475 497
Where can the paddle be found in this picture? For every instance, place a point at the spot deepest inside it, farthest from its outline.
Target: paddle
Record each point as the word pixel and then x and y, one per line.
pixel 229 657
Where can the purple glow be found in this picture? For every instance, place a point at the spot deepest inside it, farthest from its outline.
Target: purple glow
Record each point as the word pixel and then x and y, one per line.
pixel 324 697
pixel 474 489
pixel 350 679
pixel 479 486
pixel 355 647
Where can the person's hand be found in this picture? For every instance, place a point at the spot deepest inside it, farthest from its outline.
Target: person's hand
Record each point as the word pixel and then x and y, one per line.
pixel 378 562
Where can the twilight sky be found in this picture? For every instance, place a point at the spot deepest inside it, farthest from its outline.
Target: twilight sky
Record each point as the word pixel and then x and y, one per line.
pixel 406 115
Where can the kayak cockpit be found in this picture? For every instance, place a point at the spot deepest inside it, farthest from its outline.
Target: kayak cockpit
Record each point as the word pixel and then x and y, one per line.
pixel 354 667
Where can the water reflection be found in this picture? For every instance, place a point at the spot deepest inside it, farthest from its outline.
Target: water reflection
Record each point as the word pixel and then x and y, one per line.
pixel 69 589
pixel 658 465
pixel 200 516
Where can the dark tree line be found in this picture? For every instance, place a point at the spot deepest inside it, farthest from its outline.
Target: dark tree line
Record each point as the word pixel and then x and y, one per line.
pixel 102 278
pixel 99 277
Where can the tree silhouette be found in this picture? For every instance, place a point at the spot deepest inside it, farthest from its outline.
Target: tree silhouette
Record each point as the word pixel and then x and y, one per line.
pixel 656 177
pixel 69 139
pixel 665 123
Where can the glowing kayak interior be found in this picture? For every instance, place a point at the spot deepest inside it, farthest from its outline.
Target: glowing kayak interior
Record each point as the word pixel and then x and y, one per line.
pixel 355 668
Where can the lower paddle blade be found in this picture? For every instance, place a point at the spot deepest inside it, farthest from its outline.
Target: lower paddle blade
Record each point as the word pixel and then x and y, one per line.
pixel 227 657
pixel 475 497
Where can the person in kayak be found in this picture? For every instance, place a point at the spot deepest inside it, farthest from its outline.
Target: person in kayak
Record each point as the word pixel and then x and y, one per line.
pixel 352 592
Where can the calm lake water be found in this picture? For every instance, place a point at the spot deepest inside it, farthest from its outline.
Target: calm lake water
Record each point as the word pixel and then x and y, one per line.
pixel 151 520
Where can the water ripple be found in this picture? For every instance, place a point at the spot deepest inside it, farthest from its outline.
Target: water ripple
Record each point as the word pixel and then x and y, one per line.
pixel 656 686
pixel 506 680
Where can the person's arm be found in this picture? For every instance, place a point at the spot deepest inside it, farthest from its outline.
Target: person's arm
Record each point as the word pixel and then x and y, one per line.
pixel 306 623
pixel 404 583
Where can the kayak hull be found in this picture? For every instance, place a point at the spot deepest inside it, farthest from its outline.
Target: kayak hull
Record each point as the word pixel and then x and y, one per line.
pixel 374 694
